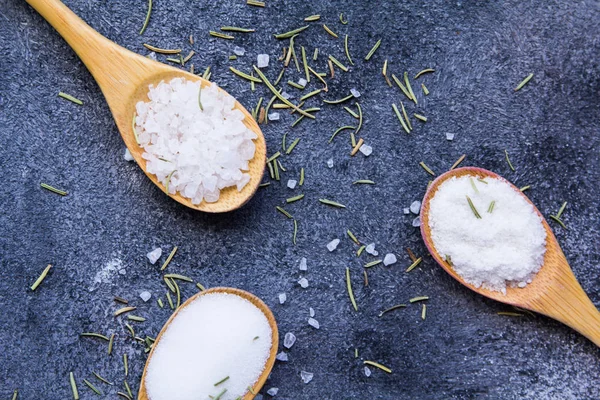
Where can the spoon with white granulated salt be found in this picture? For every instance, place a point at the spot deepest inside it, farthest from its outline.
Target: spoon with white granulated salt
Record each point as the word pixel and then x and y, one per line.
pixel 220 344
pixel 491 238
pixel 125 77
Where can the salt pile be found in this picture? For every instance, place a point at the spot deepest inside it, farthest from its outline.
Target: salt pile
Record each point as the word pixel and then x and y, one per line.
pixel 218 335
pixel 505 246
pixel 194 150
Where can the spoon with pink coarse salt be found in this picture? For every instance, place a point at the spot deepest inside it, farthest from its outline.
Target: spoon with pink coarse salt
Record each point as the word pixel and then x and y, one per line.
pixel 462 196
pixel 125 78
pixel 221 344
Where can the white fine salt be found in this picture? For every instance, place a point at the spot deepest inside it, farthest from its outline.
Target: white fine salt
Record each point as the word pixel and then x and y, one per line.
pixel 127 156
pixel 215 336
pixel 154 255
pixel 504 247
pixel 303 266
pixel 196 152
pixel 331 246
pixel 288 340
pixel 366 150
pixel 291 183
pixel 303 282
pixel 262 61
pixel 415 207
pixel 389 259
pixel 306 376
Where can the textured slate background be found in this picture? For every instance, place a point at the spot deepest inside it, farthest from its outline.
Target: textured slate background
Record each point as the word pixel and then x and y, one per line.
pixel 113 215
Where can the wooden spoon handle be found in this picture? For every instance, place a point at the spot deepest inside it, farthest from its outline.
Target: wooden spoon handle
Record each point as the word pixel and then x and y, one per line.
pixel 566 302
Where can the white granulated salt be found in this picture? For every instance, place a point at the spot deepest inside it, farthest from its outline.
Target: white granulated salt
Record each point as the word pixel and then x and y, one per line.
pixel 370 249
pixel 154 255
pixel 194 151
pixel 415 207
pixel 303 265
pixel 355 92
pixel 239 51
pixel 302 82
pixel 273 116
pixel 291 183
pixel 503 247
pixel 330 163
pixel 406 211
pixel 218 335
pixel 282 298
pixel 282 356
pixel 127 156
pixel 450 136
pixel 389 259
pixel 262 60
pixel 416 222
pixel 145 295
pixel 288 340
pixel 314 323
pixel 306 376
pixel 366 150
pixel 303 282
pixel 331 246
pixel 273 391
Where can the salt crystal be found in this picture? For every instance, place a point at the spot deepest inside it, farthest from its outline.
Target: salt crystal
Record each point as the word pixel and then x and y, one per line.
pixel 273 391
pixel 145 295
pixel 127 156
pixel 366 149
pixel 331 246
pixel 303 282
pixel 239 51
pixel 282 356
pixel 219 329
pixel 503 248
pixel 154 255
pixel 330 163
pixel 415 207
pixel 282 298
pixel 152 55
pixel 303 266
pixel 122 271
pixel 450 136
pixel 406 211
pixel 367 371
pixel 286 95
pixel 416 222
pixel 389 259
pixel 371 249
pixel 302 82
pixel 311 311
pixel 262 61
pixel 314 323
pixel 288 340
pixel 306 376
pixel 291 183
pixel 355 92
pixel 274 116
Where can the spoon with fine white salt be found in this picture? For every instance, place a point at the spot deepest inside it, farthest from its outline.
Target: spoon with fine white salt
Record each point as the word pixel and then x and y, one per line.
pixel 553 291
pixel 124 78
pixel 221 342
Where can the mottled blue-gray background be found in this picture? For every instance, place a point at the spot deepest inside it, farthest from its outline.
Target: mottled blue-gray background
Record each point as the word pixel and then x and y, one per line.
pixel 97 237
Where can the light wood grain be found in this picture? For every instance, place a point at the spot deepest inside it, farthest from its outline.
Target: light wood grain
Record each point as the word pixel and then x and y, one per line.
pixel 554 290
pixel 142 395
pixel 123 77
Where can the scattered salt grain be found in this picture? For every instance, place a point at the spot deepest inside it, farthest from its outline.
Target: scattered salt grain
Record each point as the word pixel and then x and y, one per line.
pixel 450 136
pixel 194 151
pixel 366 149
pixel 152 55
pixel 127 156
pixel 416 222
pixel 273 391
pixel 274 116
pixel 311 311
pixel 415 207
pixel 303 282
pixel 145 295
pixel 330 163
pixel 367 371
pixel 355 92
pixel 306 376
pixel 302 82
pixel 282 356
pixel 503 247
pixel 231 337
pixel 289 340
pixel 154 255
pixel 303 266
pixel 406 211
pixel 282 298
pixel 286 95
pixel 371 249
pixel 314 323
pixel 239 51
pixel 262 61
pixel 389 259
pixel 331 246
pixel 291 183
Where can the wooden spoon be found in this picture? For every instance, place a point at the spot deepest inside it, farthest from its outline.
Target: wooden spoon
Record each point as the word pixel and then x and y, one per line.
pixel 124 77
pixel 142 395
pixel 554 290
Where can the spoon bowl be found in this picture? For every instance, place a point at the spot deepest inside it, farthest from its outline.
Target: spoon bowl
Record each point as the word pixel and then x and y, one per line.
pixel 553 291
pixel 124 77
pixel 143 395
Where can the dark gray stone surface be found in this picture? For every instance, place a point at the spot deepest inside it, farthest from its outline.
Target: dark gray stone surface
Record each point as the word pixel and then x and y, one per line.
pixel 113 215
